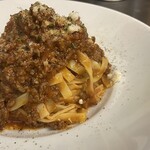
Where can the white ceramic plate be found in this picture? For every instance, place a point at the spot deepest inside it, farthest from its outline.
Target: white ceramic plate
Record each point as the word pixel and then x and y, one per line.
pixel 122 120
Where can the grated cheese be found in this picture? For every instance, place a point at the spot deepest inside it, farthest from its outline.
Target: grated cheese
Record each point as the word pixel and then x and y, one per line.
pixel 80 101
pixel 74 15
pixel 73 28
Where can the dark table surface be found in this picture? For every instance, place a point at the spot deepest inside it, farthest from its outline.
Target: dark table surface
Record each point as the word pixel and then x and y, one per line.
pixel 139 9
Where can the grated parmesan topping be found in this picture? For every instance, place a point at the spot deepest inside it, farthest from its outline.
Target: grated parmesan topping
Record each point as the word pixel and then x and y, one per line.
pixel 35 9
pixel 73 28
pixel 74 15
pixel 80 101
pixel 115 76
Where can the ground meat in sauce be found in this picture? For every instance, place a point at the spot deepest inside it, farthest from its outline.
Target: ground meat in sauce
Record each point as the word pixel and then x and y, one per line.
pixel 35 45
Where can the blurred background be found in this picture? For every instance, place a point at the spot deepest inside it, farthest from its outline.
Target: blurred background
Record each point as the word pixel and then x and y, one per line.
pixel 139 9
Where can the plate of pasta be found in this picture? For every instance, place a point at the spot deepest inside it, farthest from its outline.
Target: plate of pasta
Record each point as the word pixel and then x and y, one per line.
pixel 70 78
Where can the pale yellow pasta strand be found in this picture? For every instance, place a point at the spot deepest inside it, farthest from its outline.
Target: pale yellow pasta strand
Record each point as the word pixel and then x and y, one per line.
pixel 99 91
pixel 74 86
pixel 95 66
pixel 67 75
pixel 86 62
pixel 103 68
pixel 72 117
pixel 58 78
pixel 76 67
pixel 20 101
pixel 64 90
pixel 80 81
pixel 68 108
pixel 50 105
pixel 42 110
